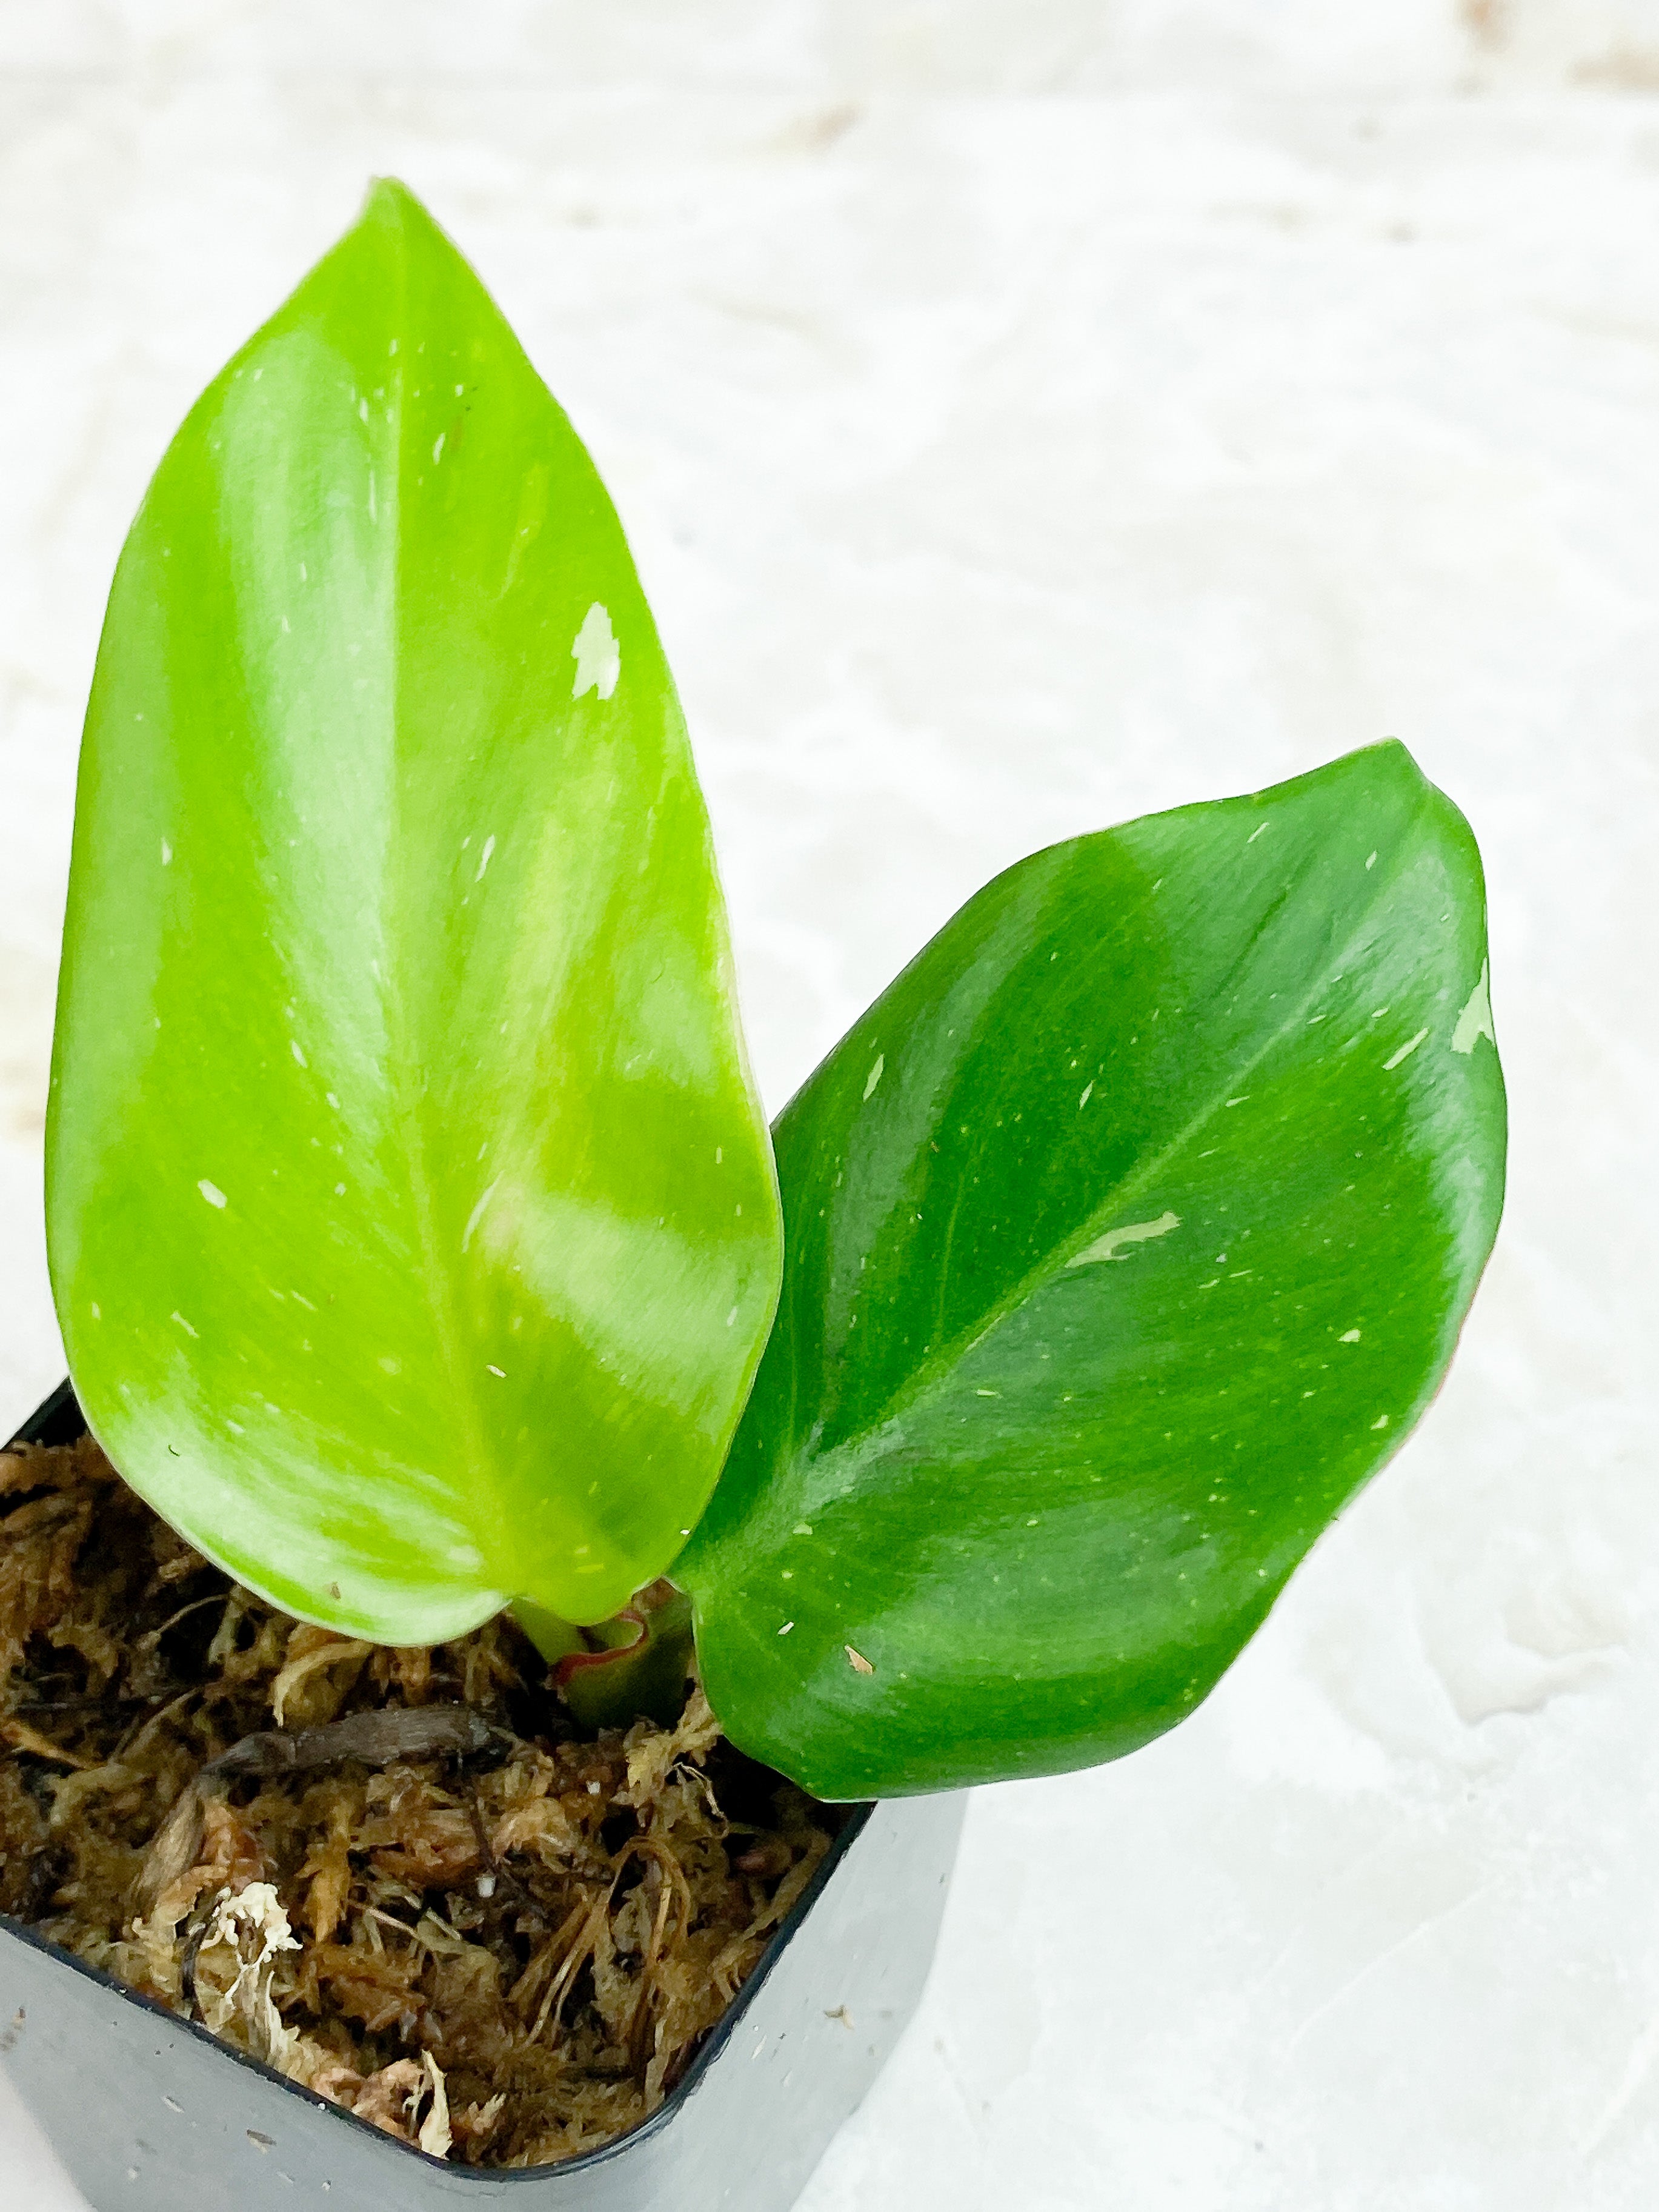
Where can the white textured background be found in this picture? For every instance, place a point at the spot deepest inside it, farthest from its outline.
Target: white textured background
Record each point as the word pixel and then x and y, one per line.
pixel 1027 415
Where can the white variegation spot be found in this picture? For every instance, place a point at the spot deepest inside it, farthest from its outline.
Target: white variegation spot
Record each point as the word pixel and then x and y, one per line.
pixel 1134 1232
pixel 597 654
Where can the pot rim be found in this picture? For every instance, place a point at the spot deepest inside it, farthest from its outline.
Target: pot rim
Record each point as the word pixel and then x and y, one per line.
pixel 56 1412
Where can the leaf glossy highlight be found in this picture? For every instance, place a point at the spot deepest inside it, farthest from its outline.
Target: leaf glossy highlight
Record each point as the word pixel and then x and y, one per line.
pixel 1127 1233
pixel 412 1219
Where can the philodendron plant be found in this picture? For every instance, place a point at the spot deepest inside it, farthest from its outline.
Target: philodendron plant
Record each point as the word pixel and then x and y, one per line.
pixel 415 1233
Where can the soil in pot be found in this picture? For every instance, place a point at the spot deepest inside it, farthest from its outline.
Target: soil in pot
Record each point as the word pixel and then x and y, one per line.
pixel 404 1878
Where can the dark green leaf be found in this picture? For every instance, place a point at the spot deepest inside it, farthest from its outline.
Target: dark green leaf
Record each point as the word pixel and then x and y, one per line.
pixel 1127 1234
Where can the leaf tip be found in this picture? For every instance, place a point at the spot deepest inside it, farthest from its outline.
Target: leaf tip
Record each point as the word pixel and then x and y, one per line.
pixel 389 200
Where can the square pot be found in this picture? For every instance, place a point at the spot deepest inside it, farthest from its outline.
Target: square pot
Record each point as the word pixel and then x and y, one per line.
pixel 151 2113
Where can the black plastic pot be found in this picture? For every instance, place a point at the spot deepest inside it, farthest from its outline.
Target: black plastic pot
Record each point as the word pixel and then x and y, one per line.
pixel 150 2113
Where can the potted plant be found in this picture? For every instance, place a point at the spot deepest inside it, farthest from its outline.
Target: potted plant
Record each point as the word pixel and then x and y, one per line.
pixel 422 1252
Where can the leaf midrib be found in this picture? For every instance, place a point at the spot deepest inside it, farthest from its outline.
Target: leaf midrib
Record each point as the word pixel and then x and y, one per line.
pixel 407 1058
pixel 933 1374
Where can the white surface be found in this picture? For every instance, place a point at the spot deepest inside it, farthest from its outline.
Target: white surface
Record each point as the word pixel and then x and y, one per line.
pixel 1026 416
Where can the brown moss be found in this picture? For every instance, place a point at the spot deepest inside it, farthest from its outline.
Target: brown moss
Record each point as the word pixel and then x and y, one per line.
pixel 506 1954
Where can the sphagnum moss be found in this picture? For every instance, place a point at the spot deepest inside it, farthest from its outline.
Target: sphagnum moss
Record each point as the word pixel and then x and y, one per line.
pixel 506 1950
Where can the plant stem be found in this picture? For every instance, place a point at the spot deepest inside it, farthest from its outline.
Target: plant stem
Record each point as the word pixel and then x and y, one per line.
pixel 554 1639
pixel 635 1663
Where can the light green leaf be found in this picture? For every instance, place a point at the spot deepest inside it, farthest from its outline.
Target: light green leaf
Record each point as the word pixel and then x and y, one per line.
pixel 412 1220
pixel 1127 1233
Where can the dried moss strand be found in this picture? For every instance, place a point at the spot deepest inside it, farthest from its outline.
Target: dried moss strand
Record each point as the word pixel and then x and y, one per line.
pixel 420 1824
